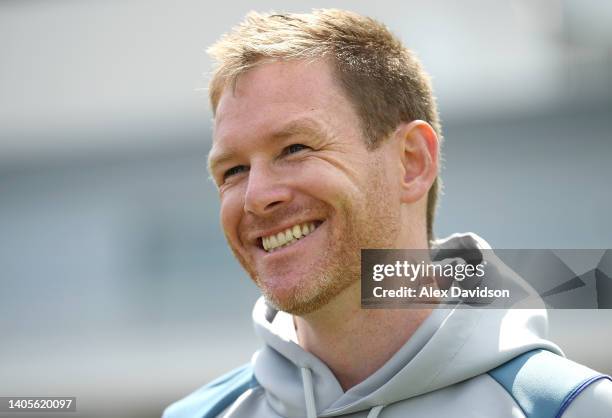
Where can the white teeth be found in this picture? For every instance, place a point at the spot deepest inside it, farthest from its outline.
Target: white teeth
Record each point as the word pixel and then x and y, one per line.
pixel 287 237
pixel 280 237
pixel 297 231
pixel 272 242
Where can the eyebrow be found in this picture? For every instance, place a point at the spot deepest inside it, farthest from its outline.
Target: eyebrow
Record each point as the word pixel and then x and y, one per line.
pixel 302 126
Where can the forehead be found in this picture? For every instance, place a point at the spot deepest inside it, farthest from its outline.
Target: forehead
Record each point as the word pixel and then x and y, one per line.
pixel 269 95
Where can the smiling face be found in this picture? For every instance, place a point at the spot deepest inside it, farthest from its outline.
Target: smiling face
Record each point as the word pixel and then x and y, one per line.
pixel 300 192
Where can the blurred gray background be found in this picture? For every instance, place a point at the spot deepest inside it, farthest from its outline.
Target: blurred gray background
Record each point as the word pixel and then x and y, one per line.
pixel 116 285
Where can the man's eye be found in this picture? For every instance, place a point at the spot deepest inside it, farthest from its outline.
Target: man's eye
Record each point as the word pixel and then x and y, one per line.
pixel 234 170
pixel 293 148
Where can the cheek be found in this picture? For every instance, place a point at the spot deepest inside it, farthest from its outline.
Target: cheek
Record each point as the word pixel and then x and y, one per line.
pixel 230 213
pixel 320 179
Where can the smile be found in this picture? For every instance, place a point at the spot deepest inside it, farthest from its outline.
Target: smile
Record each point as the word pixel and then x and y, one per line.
pixel 289 236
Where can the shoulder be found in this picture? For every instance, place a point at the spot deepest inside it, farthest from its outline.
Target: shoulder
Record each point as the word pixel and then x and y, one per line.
pixel 545 384
pixel 595 401
pixel 211 399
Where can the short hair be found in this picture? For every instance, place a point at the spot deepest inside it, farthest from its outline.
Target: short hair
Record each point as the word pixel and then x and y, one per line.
pixel 383 80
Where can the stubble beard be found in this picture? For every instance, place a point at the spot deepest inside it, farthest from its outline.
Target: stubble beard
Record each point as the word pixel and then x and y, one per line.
pixel 368 227
pixel 374 224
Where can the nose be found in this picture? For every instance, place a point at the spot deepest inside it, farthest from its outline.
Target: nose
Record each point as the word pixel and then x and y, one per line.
pixel 266 190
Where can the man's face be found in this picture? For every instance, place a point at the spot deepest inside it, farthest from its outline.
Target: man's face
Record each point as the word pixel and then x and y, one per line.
pixel 300 193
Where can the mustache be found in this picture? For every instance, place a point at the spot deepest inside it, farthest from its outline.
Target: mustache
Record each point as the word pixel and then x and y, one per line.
pixel 252 222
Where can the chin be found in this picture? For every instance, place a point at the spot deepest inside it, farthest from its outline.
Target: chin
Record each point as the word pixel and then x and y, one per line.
pixel 292 305
pixel 284 296
pixel 311 296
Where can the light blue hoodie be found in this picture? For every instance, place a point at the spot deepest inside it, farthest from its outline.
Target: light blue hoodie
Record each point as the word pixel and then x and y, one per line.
pixel 463 362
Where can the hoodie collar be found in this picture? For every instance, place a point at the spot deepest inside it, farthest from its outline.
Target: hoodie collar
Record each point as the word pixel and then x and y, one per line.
pixel 450 346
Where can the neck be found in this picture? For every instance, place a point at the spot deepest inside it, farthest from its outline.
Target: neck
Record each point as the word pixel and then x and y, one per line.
pixel 356 342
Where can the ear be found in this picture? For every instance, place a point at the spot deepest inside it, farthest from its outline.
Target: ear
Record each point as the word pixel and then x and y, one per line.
pixel 419 150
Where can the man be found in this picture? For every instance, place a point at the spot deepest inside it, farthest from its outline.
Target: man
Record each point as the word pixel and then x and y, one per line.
pixel 326 141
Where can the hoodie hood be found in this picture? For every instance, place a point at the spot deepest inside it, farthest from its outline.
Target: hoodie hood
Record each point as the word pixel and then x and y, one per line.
pixel 450 346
